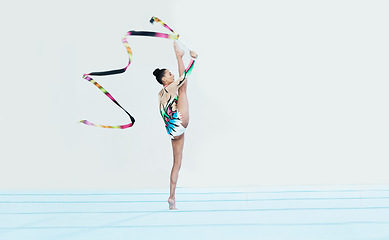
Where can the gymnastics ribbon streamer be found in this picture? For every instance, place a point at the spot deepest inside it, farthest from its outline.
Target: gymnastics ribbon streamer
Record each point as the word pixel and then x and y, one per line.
pixel 87 77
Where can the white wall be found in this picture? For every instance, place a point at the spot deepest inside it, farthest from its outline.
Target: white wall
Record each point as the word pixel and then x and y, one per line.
pixel 283 93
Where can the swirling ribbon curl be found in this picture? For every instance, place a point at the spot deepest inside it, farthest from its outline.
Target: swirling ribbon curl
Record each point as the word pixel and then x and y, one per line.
pixel 87 77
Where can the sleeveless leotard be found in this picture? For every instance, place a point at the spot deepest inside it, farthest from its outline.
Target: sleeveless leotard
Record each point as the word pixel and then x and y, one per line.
pixel 168 98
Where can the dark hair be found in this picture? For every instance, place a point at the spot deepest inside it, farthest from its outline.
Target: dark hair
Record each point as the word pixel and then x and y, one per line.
pixel 159 73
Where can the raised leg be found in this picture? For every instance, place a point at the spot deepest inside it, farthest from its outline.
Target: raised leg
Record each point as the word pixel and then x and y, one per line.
pixel 183 105
pixel 180 62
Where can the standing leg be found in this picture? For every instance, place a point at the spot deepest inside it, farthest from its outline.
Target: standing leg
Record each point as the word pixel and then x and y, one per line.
pixel 178 144
pixel 178 147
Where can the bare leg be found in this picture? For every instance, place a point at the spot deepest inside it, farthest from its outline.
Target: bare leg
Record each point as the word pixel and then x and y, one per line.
pixel 178 144
pixel 178 147
pixel 180 62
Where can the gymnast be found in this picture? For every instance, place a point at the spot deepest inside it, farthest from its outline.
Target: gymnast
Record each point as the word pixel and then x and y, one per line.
pixel 174 108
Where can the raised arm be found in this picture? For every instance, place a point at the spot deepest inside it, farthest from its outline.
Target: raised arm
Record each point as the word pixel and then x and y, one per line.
pixel 187 71
pixel 184 73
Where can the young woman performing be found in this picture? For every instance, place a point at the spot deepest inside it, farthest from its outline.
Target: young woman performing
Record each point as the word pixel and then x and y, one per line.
pixel 174 108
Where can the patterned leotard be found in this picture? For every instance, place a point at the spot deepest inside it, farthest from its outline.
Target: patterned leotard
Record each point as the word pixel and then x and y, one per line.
pixel 168 98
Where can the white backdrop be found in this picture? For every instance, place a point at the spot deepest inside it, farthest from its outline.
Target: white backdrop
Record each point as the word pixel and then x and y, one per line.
pixel 283 93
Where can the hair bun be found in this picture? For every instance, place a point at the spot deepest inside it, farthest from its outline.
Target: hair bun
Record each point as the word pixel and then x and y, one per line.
pixel 156 72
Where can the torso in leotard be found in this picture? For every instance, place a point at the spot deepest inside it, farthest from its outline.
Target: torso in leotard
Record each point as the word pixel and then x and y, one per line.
pixel 168 98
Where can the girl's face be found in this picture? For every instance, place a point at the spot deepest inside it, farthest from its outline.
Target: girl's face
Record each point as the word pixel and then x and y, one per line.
pixel 168 77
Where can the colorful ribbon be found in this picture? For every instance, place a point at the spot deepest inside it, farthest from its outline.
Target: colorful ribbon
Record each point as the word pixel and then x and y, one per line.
pixel 87 77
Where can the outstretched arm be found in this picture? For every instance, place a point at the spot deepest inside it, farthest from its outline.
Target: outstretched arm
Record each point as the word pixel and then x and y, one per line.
pixel 187 71
pixel 181 67
pixel 179 54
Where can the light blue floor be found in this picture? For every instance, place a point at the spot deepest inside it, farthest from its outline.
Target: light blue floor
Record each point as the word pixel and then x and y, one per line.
pixel 336 212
